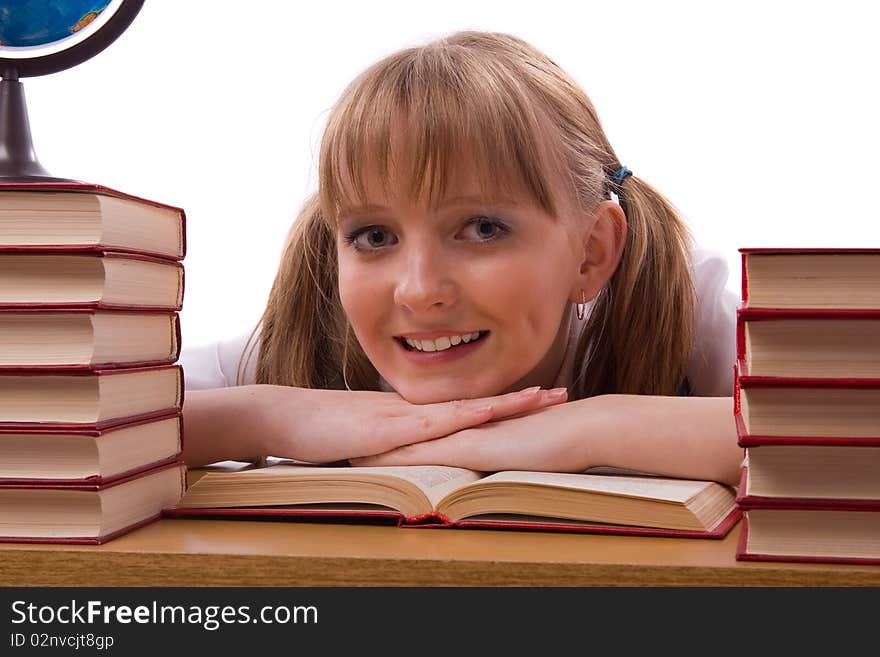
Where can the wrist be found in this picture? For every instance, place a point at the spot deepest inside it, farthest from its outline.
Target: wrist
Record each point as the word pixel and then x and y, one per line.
pixel 275 419
pixel 257 440
pixel 594 447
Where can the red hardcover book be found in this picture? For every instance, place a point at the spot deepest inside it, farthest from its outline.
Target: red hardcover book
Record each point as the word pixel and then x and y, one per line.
pixel 807 530
pixel 68 216
pixel 87 513
pixel 88 398
pixel 749 548
pixel 82 338
pixel 836 278
pixel 805 411
pixel 802 495
pixel 801 344
pixel 443 497
pixel 89 277
pixel 73 454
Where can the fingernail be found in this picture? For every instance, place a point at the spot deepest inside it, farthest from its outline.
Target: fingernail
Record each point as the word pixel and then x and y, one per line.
pixel 556 393
pixel 480 410
pixel 529 391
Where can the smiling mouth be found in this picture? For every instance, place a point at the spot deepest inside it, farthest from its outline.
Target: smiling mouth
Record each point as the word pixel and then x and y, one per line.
pixel 442 344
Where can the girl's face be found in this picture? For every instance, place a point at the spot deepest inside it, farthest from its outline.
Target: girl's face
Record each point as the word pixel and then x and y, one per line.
pixel 461 300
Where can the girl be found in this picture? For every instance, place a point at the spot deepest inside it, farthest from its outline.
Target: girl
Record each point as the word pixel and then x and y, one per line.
pixel 478 282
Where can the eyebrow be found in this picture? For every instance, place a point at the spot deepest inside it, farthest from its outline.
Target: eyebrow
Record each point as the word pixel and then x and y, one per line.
pixel 472 199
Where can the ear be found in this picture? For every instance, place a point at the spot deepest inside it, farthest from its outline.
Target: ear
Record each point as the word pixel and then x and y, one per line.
pixel 603 244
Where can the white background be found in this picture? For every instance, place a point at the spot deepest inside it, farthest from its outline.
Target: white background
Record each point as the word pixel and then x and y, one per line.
pixel 758 120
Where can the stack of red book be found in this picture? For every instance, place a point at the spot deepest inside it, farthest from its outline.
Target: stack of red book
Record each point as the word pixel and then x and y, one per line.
pixel 807 405
pixel 91 283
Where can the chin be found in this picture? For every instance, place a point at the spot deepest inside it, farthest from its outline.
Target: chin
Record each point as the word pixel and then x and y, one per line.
pixel 433 394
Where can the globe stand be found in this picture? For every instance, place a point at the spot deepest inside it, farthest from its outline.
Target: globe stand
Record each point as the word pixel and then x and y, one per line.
pixel 18 161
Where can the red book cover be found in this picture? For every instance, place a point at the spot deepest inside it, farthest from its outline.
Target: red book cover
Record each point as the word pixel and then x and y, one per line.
pixel 744 554
pixel 84 187
pixel 746 439
pixel 366 516
pixel 96 431
pixel 152 508
pixel 174 340
pixel 56 373
pixel 748 315
pixel 747 501
pixel 745 252
pixel 98 252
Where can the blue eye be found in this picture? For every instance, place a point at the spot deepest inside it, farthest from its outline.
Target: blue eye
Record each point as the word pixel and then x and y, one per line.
pixel 484 229
pixel 370 238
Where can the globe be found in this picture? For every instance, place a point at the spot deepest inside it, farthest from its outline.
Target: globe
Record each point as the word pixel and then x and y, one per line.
pixel 39 37
pixel 27 23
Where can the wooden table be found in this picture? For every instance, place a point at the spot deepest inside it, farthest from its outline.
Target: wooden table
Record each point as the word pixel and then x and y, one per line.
pixel 177 552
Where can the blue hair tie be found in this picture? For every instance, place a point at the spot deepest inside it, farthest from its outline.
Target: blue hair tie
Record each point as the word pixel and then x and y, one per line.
pixel 619 176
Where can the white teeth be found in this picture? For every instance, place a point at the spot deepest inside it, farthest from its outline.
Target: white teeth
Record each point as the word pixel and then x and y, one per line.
pixel 441 344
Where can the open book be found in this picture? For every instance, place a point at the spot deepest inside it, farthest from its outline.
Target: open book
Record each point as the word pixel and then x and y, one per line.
pixel 455 497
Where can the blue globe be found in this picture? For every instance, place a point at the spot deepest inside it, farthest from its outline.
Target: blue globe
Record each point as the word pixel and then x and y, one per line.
pixel 26 23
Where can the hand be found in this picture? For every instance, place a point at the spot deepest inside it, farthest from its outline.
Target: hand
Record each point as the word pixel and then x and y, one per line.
pixel 551 439
pixel 328 425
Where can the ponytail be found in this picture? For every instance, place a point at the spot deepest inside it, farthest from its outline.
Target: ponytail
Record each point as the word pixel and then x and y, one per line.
pixel 638 337
pixel 305 338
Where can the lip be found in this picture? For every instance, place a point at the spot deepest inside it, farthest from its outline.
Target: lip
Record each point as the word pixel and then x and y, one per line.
pixel 455 353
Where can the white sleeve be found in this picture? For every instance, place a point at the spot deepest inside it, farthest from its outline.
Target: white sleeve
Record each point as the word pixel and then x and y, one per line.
pixel 710 369
pixel 216 365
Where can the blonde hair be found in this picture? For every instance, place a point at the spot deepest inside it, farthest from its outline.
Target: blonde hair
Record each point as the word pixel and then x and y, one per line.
pixel 502 101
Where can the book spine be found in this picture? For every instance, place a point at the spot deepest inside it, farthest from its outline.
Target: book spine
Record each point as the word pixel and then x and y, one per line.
pixel 741 339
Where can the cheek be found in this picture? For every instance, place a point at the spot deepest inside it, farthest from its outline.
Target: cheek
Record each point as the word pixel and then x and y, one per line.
pixel 365 298
pixel 530 296
pixel 357 293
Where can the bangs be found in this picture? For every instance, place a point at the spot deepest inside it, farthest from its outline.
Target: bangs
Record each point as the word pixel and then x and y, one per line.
pixel 431 118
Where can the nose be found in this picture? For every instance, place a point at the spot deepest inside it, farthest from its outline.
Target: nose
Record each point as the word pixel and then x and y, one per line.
pixel 424 281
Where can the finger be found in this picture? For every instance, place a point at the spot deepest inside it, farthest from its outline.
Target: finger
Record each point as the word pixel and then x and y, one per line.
pixel 424 453
pixel 505 406
pixel 418 423
pixel 471 448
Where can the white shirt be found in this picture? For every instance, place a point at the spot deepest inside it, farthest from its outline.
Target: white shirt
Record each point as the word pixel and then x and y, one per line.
pixel 709 370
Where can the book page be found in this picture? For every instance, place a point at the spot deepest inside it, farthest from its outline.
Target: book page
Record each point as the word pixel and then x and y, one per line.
pixel 434 481
pixel 653 488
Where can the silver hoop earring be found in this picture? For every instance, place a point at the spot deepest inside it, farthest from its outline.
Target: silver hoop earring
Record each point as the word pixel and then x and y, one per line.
pixel 582 306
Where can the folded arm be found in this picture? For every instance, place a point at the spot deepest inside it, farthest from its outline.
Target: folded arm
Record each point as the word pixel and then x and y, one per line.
pixel 320 426
pixel 688 437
